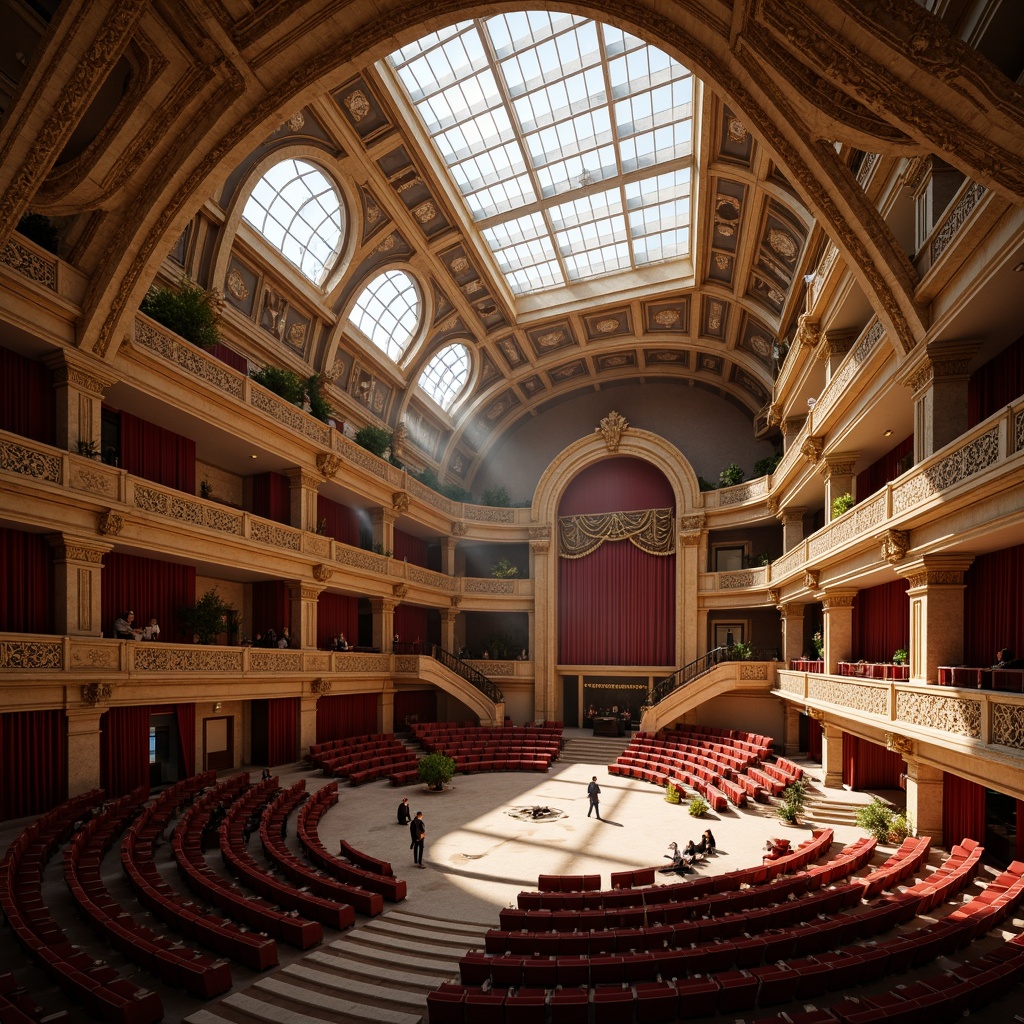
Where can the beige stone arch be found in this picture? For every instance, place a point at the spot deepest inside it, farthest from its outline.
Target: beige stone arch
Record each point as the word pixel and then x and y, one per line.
pixel 588 451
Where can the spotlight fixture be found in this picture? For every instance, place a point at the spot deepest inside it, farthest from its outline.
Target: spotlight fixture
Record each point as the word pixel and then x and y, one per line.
pixel 887 433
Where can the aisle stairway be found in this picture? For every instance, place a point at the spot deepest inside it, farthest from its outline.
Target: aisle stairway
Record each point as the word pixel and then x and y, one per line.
pixel 592 749
pixel 381 971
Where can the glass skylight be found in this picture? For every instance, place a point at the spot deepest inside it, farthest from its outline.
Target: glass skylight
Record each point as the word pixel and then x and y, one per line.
pixel 298 211
pixel 446 374
pixel 571 142
pixel 388 312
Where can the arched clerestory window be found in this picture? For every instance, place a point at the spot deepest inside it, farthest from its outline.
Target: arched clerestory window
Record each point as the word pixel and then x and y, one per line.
pixel 388 312
pixel 446 374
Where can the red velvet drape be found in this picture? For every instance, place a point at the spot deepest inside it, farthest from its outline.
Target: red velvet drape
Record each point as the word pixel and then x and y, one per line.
pixel 1019 855
pixel 26 583
pixel 339 521
pixel 814 732
pixel 186 717
pixel 336 613
pixel 884 469
pixel 157 454
pixel 999 382
pixel 271 497
pixel 27 398
pixel 348 714
pixel 282 730
pixel 411 549
pixel 617 606
pixel 411 623
pixel 881 621
pixel 418 704
pixel 230 357
pixel 993 598
pixel 124 749
pixel 270 607
pixel 33 762
pixel 150 588
pixel 867 765
pixel 963 810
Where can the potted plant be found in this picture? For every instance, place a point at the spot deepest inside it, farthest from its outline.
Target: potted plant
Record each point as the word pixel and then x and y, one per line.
pixel 740 652
pixel 496 497
pixel 818 644
pixel 876 818
pixel 191 312
pixel 318 404
pixel 205 489
pixel 284 383
pixel 672 794
pixel 842 503
pixel 698 807
pixel 503 569
pixel 899 656
pixel 731 475
pixel 793 799
pixel 207 618
pixel 436 770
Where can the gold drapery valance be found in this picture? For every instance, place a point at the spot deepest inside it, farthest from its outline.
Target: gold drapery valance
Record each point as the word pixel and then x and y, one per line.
pixel 650 530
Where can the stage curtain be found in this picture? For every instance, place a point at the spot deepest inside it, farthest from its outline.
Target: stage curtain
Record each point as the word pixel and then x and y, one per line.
pixel 27 399
pixel 271 497
pixel 867 765
pixel 33 762
pixel 157 454
pixel 884 469
pixel 270 607
pixel 963 810
pixel 993 597
pixel 347 714
pixel 814 732
pixel 1019 855
pixel 26 583
pixel 411 623
pixel 881 621
pixel 124 749
pixel 418 704
pixel 230 357
pixel 149 588
pixel 336 613
pixel 186 717
pixel 410 549
pixel 282 730
pixel 999 382
pixel 340 522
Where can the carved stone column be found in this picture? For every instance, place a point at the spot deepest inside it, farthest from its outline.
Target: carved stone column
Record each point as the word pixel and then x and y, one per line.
pixel 837 613
pixel 936 594
pixel 547 696
pixel 835 346
pixel 924 797
pixel 791 430
pixel 449 616
pixel 303 491
pixel 792 631
pixel 938 379
pixel 791 739
pixel 77 573
pixel 386 709
pixel 832 754
pixel 383 623
pixel 933 185
pixel 383 530
pixel 691 625
pixel 449 545
pixel 837 469
pixel 307 712
pixel 84 746
pixel 79 392
pixel 302 600
pixel 792 519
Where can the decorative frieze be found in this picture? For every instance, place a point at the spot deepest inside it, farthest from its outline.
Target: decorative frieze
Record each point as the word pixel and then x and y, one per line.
pixel 275 536
pixel 482 586
pixel 1007 725
pixel 364 664
pixel 161 658
pixel 88 476
pixel 486 514
pixel 32 654
pixel 945 714
pixel 95 693
pixel 371 463
pixel 952 224
pixel 359 559
pixel 791 684
pixel 187 510
pixel 970 458
pixel 1018 431
pixel 16 458
pixel 736 580
pixel 895 544
pixel 753 670
pixel 189 358
pixel 91 657
pixel 274 661
pixel 23 260
pixel 429 578
pixel 872 700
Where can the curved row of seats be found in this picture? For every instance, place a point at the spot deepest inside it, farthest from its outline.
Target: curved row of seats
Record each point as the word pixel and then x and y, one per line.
pixel 476 748
pixel 164 956
pixel 92 983
pixel 363 759
pixel 18 1005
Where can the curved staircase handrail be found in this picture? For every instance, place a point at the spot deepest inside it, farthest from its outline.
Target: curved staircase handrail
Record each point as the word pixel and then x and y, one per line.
pixel 698 667
pixel 472 676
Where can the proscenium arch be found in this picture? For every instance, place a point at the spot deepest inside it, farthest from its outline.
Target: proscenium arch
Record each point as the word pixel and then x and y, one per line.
pixel 581 454
pixel 302 52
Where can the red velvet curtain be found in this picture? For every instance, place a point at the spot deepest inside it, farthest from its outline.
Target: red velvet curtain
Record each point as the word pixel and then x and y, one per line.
pixel 157 454
pixel 270 607
pixel 1019 855
pixel 617 605
pixel 999 382
pixel 282 730
pixel 340 522
pixel 33 762
pixel 124 749
pixel 271 497
pixel 411 549
pixel 884 469
pixel 26 583
pixel 150 588
pixel 27 399
pixel 814 731
pixel 993 599
pixel 867 765
pixel 336 613
pixel 963 810
pixel 348 714
pixel 881 621
pixel 230 357
pixel 411 623
pixel 186 716
pixel 418 704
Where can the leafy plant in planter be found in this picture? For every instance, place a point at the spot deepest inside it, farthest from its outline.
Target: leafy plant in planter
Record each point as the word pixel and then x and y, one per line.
pixel 699 807
pixel 503 569
pixel 376 440
pixel 793 798
pixel 207 618
pixel 899 656
pixel 818 644
pixel 205 489
pixel 767 465
pixel 740 652
pixel 436 770
pixel 90 449
pixel 705 485
pixel 876 818
pixel 731 475
pixel 901 826
pixel 191 311
pixel 285 384
pixel 842 503
pixel 672 794
pixel 496 497
pixel 318 404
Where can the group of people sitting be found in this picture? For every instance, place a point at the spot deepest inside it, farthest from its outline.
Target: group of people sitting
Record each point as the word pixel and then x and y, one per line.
pixel 125 628
pixel 271 639
pixel 681 861
pixel 339 643
pixel 1005 659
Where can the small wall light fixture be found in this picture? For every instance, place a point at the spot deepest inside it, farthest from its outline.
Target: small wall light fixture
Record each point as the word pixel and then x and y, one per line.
pixel 887 433
pixel 216 707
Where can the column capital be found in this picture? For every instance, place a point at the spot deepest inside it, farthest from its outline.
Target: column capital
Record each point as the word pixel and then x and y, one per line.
pixel 838 464
pixel 299 477
pixel 936 571
pixel 69 548
pixel 378 605
pixel 383 516
pixel 304 590
pixel 837 342
pixel 838 599
pixel 70 367
pixel 791 514
pixel 540 539
pixel 939 360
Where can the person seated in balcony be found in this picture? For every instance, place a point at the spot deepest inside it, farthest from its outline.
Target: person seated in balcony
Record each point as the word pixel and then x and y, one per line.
pixel 270 638
pixel 1005 659
pixel 151 631
pixel 123 628
pixel 285 639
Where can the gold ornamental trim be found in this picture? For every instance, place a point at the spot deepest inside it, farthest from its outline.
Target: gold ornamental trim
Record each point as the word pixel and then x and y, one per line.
pixel 650 530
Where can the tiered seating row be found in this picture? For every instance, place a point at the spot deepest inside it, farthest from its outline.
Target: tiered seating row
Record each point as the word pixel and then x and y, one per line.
pixel 365 758
pixel 504 749
pixel 364 890
pixel 250 948
pixel 17 1006
pixel 163 956
pixel 93 984
pixel 906 861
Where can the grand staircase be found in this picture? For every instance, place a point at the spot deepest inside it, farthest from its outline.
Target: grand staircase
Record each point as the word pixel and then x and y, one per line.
pixel 592 749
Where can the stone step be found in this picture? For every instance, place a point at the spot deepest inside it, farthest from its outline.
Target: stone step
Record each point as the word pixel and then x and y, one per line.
pixel 593 750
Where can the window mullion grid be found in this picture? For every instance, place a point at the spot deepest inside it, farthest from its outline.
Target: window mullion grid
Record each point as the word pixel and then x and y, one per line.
pixel 616 144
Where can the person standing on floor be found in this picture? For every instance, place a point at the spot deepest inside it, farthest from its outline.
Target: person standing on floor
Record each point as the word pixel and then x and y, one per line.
pixel 594 793
pixel 404 814
pixel 418 832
